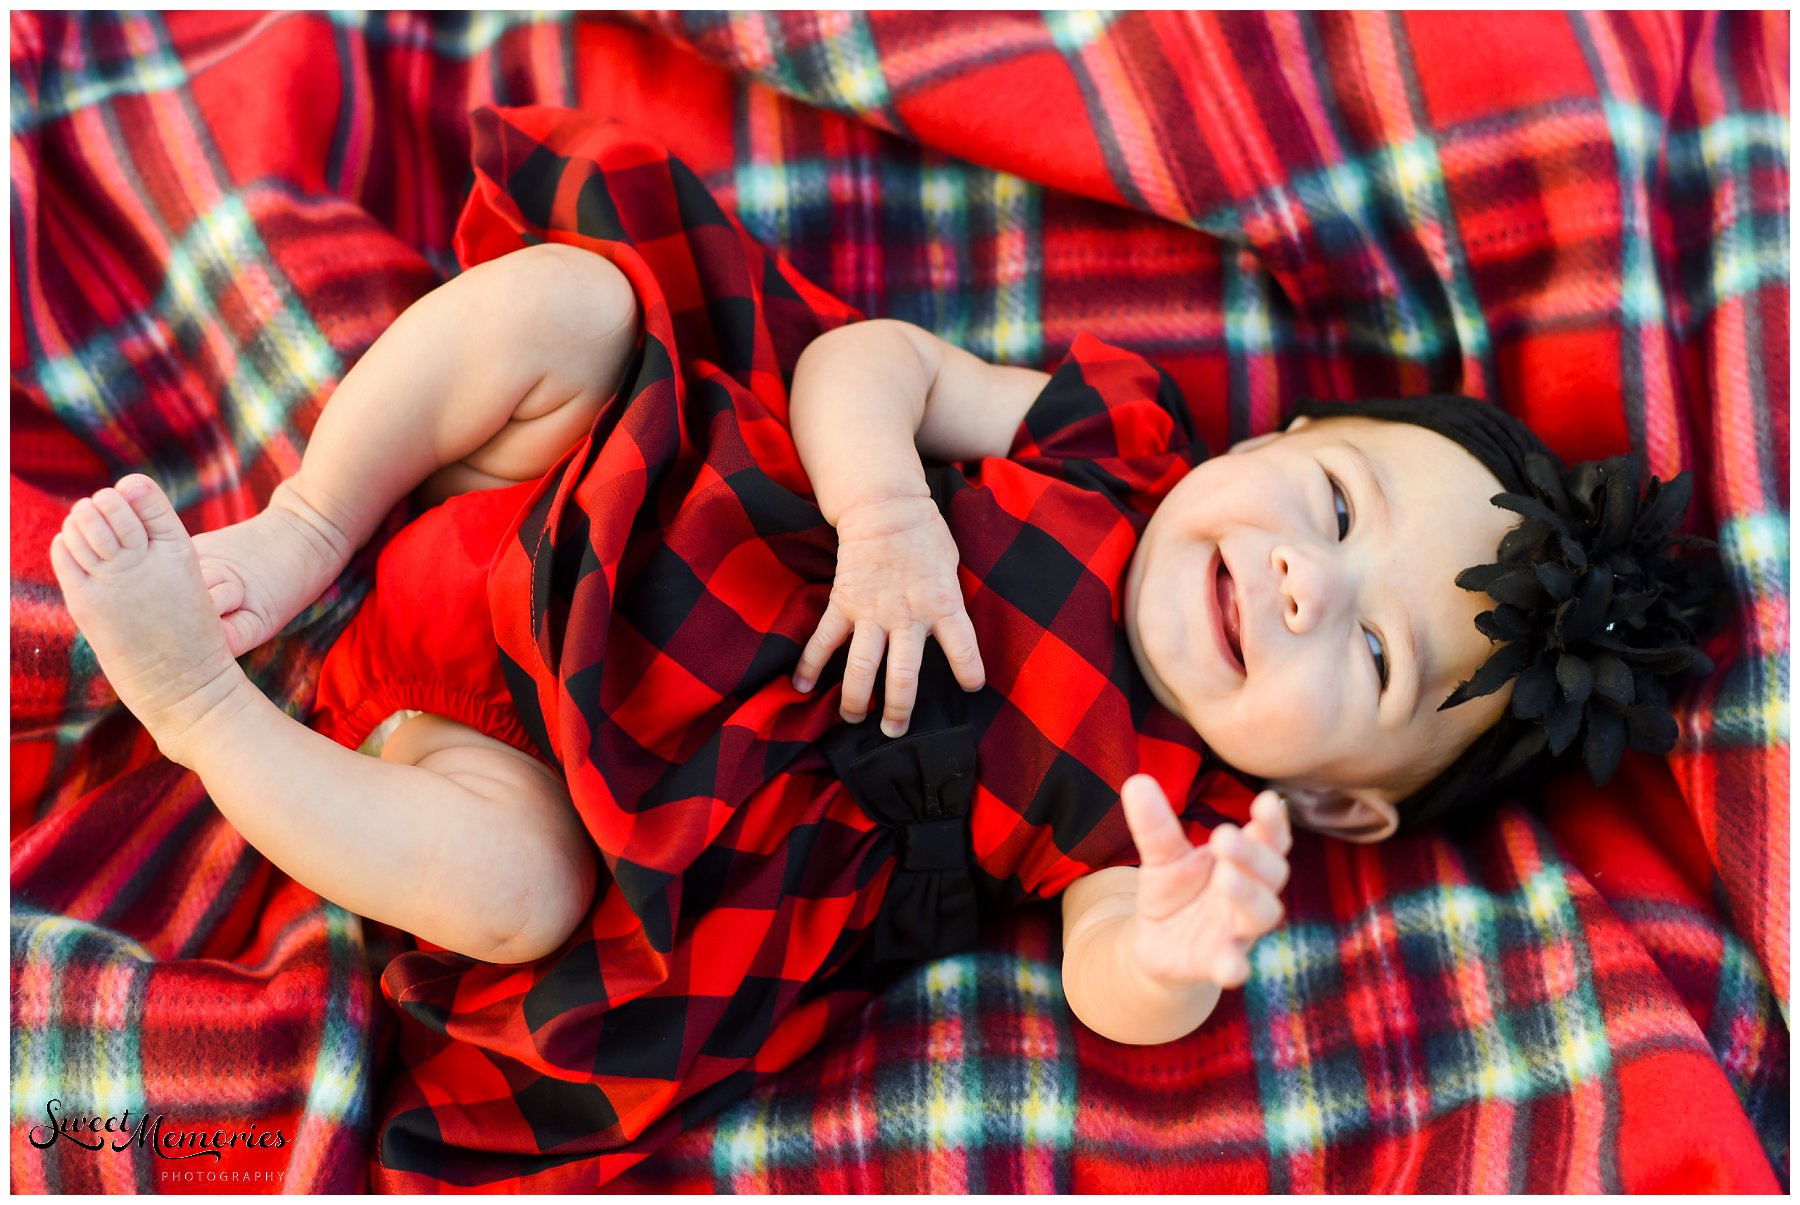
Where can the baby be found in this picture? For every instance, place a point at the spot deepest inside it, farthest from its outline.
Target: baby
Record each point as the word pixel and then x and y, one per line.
pixel 1296 602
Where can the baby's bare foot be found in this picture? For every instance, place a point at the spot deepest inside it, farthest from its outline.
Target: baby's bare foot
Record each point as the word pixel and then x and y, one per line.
pixel 132 582
pixel 264 571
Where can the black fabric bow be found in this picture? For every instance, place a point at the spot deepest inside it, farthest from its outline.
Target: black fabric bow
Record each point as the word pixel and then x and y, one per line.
pixel 919 789
pixel 1595 612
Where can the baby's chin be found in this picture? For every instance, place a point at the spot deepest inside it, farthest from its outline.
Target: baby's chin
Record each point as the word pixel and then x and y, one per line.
pixel 1255 763
pixel 1260 747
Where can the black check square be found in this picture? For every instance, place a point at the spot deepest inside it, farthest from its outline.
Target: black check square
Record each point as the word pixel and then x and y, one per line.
pixel 630 186
pixel 595 213
pixel 559 1111
pixel 1036 575
pixel 573 982
pixel 654 1029
pixel 663 592
pixel 772 508
pixel 1072 800
pixel 747 1021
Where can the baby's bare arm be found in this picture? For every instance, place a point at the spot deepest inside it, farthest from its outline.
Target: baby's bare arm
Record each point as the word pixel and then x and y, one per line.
pixel 498 371
pixel 1105 984
pixel 870 398
pixel 1147 949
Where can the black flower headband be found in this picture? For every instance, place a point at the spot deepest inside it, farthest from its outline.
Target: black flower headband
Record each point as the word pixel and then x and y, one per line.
pixel 1594 612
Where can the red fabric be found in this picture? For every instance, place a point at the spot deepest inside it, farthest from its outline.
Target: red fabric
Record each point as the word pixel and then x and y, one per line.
pixel 424 639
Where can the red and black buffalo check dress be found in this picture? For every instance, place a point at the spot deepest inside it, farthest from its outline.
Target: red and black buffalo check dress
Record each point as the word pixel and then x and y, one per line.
pixel 634 620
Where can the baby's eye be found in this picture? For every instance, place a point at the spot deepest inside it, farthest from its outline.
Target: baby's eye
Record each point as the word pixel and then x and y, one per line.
pixel 1381 665
pixel 1342 504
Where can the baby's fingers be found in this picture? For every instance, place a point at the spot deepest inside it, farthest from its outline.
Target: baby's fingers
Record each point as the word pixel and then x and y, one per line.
pixel 1269 821
pixel 1154 829
pixel 833 627
pixel 905 650
pixel 1255 908
pixel 1230 968
pixel 1249 850
pixel 859 671
pixel 956 636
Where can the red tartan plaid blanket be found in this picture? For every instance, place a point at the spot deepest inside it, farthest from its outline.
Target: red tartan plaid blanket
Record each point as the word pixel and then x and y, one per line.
pixel 1582 217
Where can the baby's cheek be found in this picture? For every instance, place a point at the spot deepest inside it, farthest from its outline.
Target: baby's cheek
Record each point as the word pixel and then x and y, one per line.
pixel 1292 716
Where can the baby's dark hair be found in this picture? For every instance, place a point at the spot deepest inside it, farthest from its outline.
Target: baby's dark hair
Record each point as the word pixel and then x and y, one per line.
pixel 1598 607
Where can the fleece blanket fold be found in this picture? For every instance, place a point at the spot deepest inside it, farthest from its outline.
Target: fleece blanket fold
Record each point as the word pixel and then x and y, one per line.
pixel 1580 217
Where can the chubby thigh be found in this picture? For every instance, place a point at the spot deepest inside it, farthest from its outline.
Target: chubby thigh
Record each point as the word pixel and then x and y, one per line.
pixel 547 873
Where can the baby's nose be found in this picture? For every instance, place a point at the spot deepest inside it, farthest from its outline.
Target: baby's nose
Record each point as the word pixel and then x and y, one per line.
pixel 1305 585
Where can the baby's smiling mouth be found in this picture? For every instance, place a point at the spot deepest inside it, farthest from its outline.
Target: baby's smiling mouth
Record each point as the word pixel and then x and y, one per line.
pixel 1225 593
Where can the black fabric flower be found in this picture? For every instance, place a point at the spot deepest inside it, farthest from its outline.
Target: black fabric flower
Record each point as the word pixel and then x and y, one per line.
pixel 1596 610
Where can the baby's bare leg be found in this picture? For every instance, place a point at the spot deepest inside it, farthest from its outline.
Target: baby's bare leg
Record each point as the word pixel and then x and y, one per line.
pixel 482 382
pixel 518 826
pixel 514 356
pixel 507 363
pixel 473 846
pixel 451 835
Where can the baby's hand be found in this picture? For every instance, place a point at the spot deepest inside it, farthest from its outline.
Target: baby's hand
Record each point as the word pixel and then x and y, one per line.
pixel 896 584
pixel 1201 907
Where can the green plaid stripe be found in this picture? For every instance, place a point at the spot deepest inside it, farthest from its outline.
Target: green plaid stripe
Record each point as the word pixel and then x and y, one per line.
pixel 1641 305
pixel 1753 705
pixel 342 1078
pixel 1417 178
pixel 1351 203
pixel 1368 199
pixel 283 360
pixel 121 56
pixel 1258 330
pixel 1496 1039
pixel 1751 251
pixel 74 1040
pixel 949 276
pixel 1722 976
pixel 78 998
pixel 839 69
pixel 451 36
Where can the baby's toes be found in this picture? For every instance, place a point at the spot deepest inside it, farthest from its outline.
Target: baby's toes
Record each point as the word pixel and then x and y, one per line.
pixel 94 524
pixel 226 592
pixel 152 507
pixel 126 527
pixel 69 571
pixel 78 545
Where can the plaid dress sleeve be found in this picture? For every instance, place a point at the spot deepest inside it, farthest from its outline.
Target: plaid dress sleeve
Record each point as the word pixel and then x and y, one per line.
pixel 1046 536
pixel 1111 422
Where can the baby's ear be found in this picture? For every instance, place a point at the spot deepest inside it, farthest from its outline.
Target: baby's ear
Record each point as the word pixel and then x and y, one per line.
pixel 1365 815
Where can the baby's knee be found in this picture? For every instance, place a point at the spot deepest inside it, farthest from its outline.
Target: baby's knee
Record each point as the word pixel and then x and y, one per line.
pixel 530 869
pixel 555 892
pixel 563 294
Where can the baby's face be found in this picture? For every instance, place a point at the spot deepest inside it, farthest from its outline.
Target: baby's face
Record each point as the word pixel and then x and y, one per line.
pixel 1264 602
